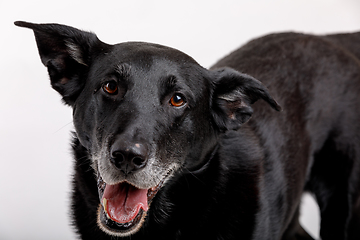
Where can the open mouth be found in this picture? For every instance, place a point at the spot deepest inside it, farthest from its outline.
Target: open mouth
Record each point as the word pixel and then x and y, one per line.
pixel 123 207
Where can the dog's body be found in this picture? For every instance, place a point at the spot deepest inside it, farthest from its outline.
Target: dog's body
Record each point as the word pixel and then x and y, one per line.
pixel 165 149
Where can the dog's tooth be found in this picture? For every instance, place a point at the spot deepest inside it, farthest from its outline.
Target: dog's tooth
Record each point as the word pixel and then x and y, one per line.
pixel 104 203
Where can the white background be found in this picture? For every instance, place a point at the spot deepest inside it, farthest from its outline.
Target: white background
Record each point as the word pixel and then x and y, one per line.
pixel 36 162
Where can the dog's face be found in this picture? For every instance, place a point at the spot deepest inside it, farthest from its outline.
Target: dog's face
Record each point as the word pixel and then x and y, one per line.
pixel 143 112
pixel 140 107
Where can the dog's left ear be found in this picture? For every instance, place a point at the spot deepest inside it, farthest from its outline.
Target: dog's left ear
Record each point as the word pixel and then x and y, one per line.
pixel 233 95
pixel 67 53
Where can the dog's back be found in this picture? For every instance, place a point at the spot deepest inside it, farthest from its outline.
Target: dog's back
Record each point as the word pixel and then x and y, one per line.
pixel 349 41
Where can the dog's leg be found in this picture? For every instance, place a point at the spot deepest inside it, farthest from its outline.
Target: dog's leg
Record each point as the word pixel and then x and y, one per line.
pixel 332 181
pixel 295 231
pixel 354 226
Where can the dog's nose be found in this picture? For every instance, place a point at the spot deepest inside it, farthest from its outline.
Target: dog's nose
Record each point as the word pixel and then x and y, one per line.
pixel 130 157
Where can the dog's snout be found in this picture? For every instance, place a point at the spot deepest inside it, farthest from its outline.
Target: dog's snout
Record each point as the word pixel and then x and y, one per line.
pixel 129 157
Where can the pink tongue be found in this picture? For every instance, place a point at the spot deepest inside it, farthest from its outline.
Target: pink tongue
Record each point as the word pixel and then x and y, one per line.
pixel 123 201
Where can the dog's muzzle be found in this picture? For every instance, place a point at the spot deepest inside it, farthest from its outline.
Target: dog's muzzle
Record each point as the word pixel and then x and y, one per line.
pixel 128 179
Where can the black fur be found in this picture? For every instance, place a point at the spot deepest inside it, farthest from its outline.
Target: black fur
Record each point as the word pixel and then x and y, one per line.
pixel 236 177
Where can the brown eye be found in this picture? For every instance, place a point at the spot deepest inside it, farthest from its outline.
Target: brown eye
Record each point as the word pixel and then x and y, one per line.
pixel 177 100
pixel 110 87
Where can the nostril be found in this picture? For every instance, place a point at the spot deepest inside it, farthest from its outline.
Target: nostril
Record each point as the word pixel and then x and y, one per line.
pixel 138 162
pixel 117 159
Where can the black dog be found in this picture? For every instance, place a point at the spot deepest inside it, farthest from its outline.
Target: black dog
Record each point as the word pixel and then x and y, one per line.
pixel 165 149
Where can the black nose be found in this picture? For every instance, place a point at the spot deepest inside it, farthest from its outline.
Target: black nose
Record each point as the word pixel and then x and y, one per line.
pixel 129 157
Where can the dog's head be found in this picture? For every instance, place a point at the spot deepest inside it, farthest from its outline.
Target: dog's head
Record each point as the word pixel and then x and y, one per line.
pixel 143 112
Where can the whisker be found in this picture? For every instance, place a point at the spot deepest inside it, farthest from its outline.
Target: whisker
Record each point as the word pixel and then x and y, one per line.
pixel 62 127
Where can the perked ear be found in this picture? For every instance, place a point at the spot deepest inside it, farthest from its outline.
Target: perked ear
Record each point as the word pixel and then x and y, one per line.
pixel 67 53
pixel 233 95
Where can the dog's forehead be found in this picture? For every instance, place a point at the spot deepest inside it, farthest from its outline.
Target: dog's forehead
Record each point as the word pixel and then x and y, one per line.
pixel 146 54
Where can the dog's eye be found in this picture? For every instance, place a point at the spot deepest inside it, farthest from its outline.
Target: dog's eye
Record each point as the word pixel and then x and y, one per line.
pixel 110 87
pixel 177 100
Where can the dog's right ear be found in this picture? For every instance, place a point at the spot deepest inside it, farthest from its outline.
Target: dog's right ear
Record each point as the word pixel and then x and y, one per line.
pixel 67 53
